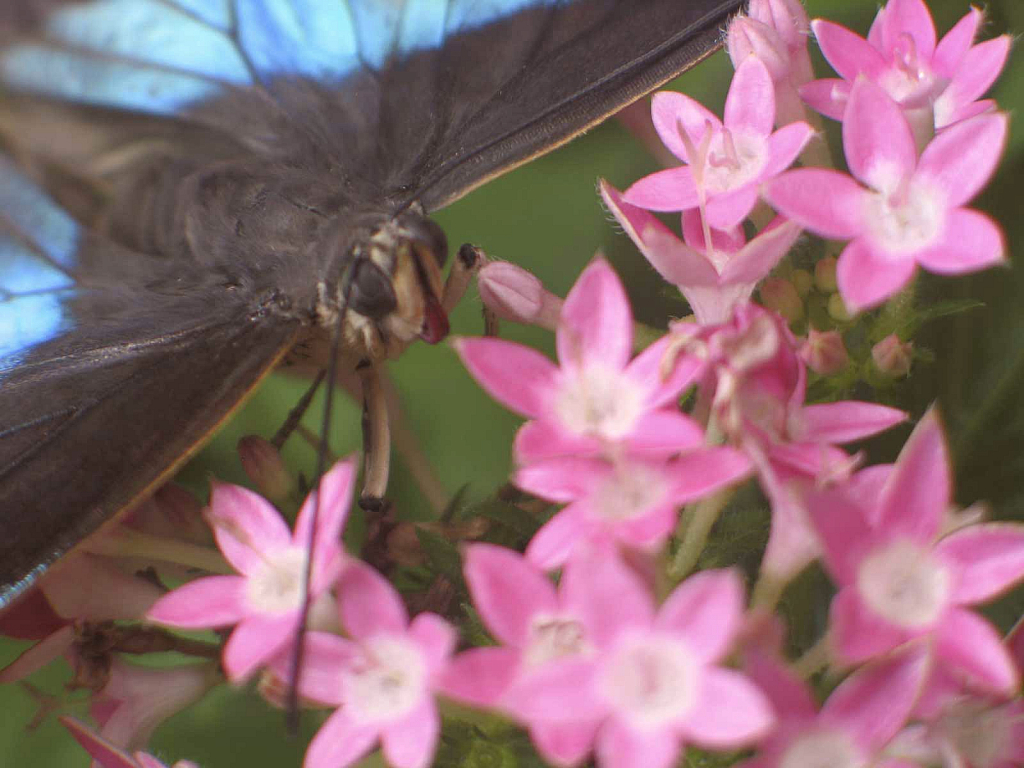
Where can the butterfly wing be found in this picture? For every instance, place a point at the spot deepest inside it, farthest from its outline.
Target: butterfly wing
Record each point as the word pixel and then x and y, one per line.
pixel 110 375
pixel 401 99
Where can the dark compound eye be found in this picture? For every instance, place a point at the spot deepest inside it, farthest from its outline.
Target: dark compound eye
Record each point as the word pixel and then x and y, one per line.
pixel 370 292
pixel 426 234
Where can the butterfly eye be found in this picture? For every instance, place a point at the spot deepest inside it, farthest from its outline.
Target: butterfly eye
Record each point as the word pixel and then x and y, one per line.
pixel 426 235
pixel 370 291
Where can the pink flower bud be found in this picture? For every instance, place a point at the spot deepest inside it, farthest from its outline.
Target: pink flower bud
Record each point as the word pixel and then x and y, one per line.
pixel 780 295
pixel 892 356
pixel 263 464
pixel 825 275
pixel 748 37
pixel 824 352
pixel 787 17
pixel 514 294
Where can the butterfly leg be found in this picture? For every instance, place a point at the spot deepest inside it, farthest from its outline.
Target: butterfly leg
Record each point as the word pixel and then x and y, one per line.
pixel 376 438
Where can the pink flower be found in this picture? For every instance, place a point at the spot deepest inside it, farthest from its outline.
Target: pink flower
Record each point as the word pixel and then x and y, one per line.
pixel 265 601
pixel 824 352
pixel 775 31
pixel 714 280
pixel 136 699
pixel 902 57
pixel 514 294
pixel 598 397
pixel 382 680
pixel 631 501
pixel 854 725
pixel 727 160
pixel 897 583
pixel 652 683
pixel 107 755
pixel 910 210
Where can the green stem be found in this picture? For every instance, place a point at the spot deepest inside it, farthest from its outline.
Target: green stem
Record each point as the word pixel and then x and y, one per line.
pixel 695 525
pixel 768 591
pixel 814 659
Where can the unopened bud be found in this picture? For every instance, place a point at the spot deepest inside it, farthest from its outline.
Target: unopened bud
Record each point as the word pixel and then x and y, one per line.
pixel 514 294
pixel 787 17
pixel 802 280
pixel 892 357
pixel 263 464
pixel 780 295
pixel 837 308
pixel 748 37
pixel 825 275
pixel 824 352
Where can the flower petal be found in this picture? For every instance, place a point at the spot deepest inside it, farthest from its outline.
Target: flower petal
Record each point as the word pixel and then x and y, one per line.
pixel 989 559
pixel 877 139
pixel 254 642
pixel 619 746
pixel 919 489
pixel 673 189
pixel 480 676
pixel 411 741
pixel 324 663
pixel 507 591
pixel 750 104
pixel 336 496
pixel 866 278
pixel 606 595
pixel 970 241
pixel 847 52
pixel 979 69
pixel 672 111
pixel 701 472
pixel 858 633
pixel 909 18
pixel 213 601
pixel 647 370
pixel 846 421
pixel 552 545
pixel 820 199
pixel 564 744
pixel 542 439
pixel 245 525
pixel 664 432
pixel 729 209
pixel 339 742
pixel 561 691
pixel 961 159
pixel 842 527
pixel 368 604
pixel 706 611
pixel 732 711
pixel 516 376
pixel 874 703
pixel 435 637
pixel 969 644
pixel 562 479
pixel 828 96
pixel 789 696
pixel 954 44
pixel 759 257
pixel 596 322
pixel 785 145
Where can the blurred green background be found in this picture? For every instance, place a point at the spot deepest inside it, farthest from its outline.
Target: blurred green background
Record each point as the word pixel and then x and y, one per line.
pixel 547 217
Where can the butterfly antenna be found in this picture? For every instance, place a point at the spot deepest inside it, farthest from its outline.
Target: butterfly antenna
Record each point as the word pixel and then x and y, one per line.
pixel 321 465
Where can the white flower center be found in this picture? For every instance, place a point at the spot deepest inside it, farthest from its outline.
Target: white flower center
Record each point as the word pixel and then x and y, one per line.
pixel 822 749
pixel 905 584
pixel 276 587
pixel 554 637
pixel 734 158
pixel 905 221
pixel 388 682
pixel 630 491
pixel 651 681
pixel 599 401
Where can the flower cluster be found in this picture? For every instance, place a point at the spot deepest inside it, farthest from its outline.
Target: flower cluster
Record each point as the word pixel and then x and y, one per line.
pixel 607 634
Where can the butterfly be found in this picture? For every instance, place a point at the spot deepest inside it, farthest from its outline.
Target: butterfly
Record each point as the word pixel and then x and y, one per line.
pixel 194 192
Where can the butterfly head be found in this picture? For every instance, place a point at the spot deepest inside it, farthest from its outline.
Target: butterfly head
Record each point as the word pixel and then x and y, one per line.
pixel 392 286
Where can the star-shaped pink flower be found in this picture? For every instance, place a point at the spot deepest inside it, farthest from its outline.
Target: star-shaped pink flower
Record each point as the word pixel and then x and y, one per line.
pixel 901 55
pixel 905 210
pixel 265 601
pixel 727 159
pixel 382 680
pixel 597 396
pixel 899 581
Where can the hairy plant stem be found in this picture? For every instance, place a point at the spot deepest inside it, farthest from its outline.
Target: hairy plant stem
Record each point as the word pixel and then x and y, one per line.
pixel 814 659
pixel 130 543
pixel 694 526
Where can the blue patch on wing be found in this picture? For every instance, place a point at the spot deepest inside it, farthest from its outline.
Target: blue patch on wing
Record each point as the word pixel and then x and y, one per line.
pixel 38 242
pixel 163 56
